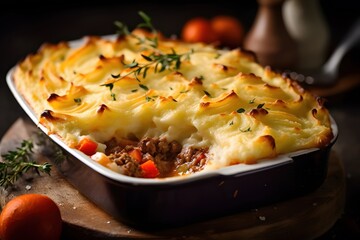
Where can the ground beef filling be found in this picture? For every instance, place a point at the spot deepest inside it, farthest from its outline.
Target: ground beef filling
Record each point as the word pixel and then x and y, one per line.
pixel 154 157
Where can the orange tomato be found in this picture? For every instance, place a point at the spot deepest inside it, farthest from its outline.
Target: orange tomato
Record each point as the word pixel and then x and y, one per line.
pixel 229 30
pixel 198 30
pixel 30 216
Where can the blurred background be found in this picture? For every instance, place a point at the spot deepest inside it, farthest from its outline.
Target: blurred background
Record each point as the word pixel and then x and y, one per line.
pixel 25 27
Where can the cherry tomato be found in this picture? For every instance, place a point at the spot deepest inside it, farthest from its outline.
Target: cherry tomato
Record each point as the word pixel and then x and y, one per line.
pixel 198 30
pixel 229 30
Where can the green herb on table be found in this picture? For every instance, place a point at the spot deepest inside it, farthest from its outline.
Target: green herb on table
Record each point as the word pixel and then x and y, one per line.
pixel 16 163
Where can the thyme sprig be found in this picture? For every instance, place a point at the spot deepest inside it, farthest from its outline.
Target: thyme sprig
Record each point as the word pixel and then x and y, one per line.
pixel 16 163
pixel 159 60
pixel 123 30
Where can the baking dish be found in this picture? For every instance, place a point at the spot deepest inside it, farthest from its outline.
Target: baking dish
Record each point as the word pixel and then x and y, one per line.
pixel 184 199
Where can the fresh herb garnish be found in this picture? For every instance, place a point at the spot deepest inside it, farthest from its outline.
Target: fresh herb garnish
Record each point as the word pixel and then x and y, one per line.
pixel 246 130
pixel 231 123
pixel 133 64
pixel 110 86
pixel 77 100
pixel 115 76
pixel 159 60
pixel 260 105
pixel 252 101
pixel 143 87
pixel 123 30
pixel 207 93
pixel 148 99
pixel 152 98
pixel 16 163
pixel 240 110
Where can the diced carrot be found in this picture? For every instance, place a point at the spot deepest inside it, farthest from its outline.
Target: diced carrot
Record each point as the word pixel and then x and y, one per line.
pixel 149 169
pixel 136 154
pixel 87 146
pixel 200 157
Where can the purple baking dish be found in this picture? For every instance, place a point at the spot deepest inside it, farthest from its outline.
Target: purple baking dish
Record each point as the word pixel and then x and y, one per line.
pixel 182 200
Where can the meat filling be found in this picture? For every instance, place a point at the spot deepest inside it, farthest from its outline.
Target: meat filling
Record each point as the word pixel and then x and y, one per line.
pixel 155 157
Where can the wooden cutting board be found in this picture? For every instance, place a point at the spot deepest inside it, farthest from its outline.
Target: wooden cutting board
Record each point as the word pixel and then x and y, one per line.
pixel 306 217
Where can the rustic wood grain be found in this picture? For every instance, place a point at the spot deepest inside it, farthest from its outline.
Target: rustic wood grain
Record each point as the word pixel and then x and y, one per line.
pixel 306 217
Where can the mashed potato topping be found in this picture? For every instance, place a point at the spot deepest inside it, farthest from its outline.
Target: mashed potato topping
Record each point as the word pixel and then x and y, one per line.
pixel 219 100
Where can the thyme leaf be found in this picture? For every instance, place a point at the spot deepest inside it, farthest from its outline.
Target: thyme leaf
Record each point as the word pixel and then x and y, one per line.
pixel 148 99
pixel 260 105
pixel 246 130
pixel 133 64
pixel 147 22
pixel 240 110
pixel 207 93
pixel 16 163
pixel 143 87
pixel 110 86
pixel 149 59
pixel 122 29
pixel 115 76
pixel 77 101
